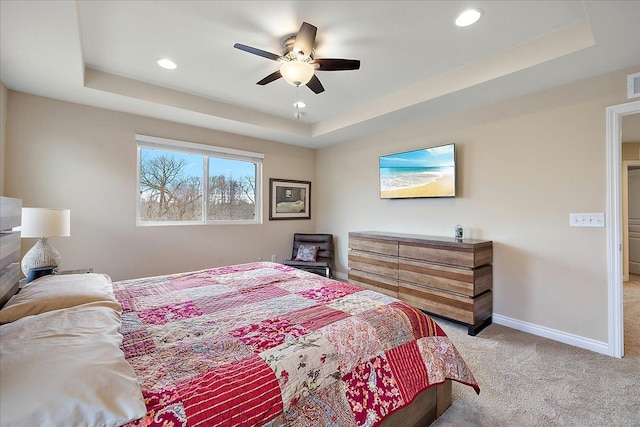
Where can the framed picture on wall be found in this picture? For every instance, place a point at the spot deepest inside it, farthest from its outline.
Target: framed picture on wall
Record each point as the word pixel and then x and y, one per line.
pixel 289 199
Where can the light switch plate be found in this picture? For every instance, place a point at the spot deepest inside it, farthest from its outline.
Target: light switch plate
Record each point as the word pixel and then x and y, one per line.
pixel 586 220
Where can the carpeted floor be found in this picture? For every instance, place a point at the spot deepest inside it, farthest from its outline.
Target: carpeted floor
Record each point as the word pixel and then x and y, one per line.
pixel 632 317
pixel 527 380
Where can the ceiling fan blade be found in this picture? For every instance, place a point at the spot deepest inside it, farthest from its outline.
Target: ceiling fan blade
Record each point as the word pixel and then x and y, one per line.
pixel 305 39
pixel 258 52
pixel 271 77
pixel 315 85
pixel 329 64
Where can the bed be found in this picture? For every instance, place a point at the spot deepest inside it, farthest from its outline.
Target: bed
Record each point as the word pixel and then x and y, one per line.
pixel 250 344
pixel 327 353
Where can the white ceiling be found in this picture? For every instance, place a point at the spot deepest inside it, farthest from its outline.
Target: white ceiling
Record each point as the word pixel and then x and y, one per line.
pixel 415 63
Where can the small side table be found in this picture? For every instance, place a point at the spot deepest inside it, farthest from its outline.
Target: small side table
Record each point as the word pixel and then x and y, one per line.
pixel 78 271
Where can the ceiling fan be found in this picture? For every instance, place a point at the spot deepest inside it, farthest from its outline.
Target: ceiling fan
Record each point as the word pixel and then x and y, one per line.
pixel 298 64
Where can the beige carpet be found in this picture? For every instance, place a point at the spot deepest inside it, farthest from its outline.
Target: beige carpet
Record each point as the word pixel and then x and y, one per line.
pixel 526 380
pixel 632 317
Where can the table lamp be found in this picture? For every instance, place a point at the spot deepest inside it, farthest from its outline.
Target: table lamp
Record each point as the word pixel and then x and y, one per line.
pixel 43 223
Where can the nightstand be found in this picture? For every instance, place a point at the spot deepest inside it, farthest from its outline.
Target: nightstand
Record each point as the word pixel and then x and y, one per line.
pixel 78 271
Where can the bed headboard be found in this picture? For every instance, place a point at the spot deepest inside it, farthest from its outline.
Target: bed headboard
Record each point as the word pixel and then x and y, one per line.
pixel 10 216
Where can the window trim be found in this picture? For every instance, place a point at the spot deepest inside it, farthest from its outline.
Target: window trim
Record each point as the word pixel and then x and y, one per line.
pixel 154 142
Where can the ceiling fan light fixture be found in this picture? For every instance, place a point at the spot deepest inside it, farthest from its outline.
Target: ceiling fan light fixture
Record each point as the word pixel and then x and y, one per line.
pixel 297 73
pixel 468 17
pixel 297 62
pixel 299 104
pixel 166 63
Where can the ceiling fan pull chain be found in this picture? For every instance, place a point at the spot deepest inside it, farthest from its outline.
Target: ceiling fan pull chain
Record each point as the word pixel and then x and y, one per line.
pixel 297 113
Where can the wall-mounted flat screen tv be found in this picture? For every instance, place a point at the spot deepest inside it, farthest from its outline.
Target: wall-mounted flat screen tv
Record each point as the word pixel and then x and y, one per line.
pixel 429 172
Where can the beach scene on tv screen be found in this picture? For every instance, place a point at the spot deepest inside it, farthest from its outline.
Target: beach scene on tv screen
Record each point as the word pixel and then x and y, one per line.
pixel 429 172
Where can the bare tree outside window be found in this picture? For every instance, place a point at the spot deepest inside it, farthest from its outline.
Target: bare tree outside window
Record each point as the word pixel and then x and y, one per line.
pixel 171 187
pixel 231 197
pixel 166 192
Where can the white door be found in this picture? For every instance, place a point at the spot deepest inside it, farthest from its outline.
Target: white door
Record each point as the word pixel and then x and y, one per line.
pixel 634 221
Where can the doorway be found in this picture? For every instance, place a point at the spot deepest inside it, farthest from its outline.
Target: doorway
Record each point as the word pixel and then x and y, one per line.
pixel 630 218
pixel 614 116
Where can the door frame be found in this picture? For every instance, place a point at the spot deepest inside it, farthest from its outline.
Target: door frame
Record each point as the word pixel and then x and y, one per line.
pixel 614 116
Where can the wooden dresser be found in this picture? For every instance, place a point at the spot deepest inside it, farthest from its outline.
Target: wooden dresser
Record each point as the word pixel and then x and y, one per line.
pixel 443 276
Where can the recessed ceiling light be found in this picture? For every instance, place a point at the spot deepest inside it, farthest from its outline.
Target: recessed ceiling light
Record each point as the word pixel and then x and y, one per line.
pixel 299 104
pixel 468 17
pixel 167 63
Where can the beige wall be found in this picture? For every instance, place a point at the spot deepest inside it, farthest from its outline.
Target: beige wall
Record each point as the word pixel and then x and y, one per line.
pixel 523 165
pixel 83 158
pixel 631 137
pixel 3 133
pixel 631 128
pixel 631 151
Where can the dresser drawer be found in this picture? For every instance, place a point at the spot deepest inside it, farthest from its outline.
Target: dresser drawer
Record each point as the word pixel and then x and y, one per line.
pixel 463 309
pixel 374 263
pixel 469 257
pixel 379 246
pixel 374 282
pixel 465 281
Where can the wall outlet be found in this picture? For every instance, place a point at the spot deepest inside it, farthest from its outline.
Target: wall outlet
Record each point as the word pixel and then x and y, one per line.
pixel 274 258
pixel 586 220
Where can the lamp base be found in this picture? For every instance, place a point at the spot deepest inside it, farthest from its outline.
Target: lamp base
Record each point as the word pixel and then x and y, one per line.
pixel 42 254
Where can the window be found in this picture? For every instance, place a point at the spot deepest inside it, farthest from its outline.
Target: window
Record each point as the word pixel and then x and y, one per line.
pixel 187 183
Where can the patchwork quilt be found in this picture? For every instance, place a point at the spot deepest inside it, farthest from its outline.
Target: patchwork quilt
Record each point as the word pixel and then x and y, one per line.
pixel 266 344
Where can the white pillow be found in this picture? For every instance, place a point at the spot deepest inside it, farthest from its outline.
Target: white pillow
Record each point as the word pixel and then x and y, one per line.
pixel 59 291
pixel 65 368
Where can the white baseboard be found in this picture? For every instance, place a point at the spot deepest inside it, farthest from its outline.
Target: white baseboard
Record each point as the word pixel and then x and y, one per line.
pixel 542 331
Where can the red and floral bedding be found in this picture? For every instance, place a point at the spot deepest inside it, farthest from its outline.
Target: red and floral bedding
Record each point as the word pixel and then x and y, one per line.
pixel 263 343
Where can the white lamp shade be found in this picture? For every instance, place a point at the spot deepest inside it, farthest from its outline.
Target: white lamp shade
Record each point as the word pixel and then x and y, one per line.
pixel 297 73
pixel 44 222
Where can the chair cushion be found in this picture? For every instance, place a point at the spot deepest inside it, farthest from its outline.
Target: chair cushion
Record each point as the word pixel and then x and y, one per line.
pixel 307 253
pixel 323 241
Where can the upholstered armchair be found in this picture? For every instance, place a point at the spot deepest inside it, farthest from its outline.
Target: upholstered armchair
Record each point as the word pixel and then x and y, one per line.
pixel 313 253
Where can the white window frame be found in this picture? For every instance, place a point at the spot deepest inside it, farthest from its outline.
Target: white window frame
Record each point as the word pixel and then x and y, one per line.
pixel 145 141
